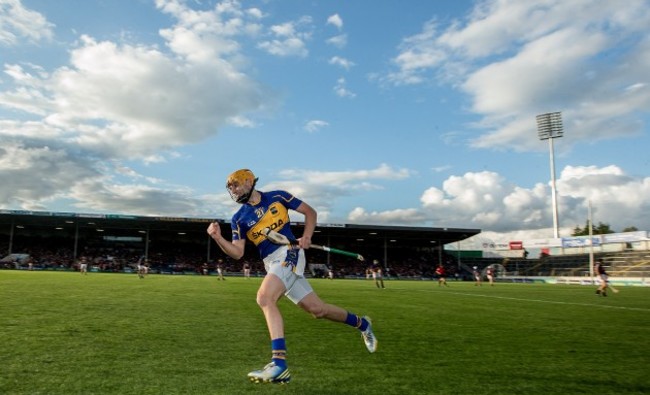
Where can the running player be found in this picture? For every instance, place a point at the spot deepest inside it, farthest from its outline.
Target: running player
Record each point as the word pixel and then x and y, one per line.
pixel 83 265
pixel 142 267
pixel 284 265
pixel 603 278
pixel 442 276
pixel 220 270
pixel 477 276
pixel 489 273
pixel 377 274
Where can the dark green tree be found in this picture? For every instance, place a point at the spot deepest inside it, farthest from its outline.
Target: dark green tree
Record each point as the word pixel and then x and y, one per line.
pixel 577 231
pixel 600 229
pixel 603 229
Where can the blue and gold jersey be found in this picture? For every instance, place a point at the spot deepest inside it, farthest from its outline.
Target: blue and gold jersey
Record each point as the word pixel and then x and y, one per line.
pixel 272 212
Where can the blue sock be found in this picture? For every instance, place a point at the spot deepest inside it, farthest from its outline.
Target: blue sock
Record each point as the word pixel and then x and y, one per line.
pixel 358 322
pixel 279 352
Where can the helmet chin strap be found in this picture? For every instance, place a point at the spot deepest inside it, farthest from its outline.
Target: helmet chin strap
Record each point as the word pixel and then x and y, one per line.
pixel 243 199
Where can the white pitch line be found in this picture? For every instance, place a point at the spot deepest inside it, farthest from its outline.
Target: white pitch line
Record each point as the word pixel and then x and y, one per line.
pixel 541 301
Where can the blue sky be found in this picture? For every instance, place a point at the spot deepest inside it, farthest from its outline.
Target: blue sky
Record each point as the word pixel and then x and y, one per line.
pixel 386 112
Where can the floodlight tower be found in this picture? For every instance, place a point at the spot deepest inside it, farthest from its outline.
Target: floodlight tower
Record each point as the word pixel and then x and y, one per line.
pixel 549 127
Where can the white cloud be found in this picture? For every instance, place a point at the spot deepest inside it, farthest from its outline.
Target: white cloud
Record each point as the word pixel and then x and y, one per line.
pixel 616 197
pixel 549 58
pixel 116 102
pixel 341 90
pixel 19 24
pixel 290 38
pixel 103 195
pixel 33 173
pixel 339 41
pixel 315 125
pixel 178 107
pixel 488 201
pixel 336 21
pixel 398 216
pixel 439 169
pixel 323 189
pixel 342 62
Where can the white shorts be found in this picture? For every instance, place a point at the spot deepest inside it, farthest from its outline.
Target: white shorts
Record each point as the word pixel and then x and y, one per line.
pixel 289 270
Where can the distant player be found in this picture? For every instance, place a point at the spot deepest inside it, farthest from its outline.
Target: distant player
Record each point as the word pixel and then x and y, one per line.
pixel 330 273
pixel 489 273
pixel 204 269
pixel 377 274
pixel 442 275
pixel 220 270
pixel 603 278
pixel 247 270
pixel 142 268
pixel 477 276
pixel 83 265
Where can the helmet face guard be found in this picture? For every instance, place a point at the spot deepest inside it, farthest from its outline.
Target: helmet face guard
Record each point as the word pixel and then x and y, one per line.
pixel 236 181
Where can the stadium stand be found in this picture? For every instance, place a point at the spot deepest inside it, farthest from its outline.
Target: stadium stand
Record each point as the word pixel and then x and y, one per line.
pixel 115 243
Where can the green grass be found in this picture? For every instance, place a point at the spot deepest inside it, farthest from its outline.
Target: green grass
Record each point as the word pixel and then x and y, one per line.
pixel 64 333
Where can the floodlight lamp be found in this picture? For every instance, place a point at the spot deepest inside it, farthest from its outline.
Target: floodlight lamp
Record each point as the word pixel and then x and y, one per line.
pixel 549 125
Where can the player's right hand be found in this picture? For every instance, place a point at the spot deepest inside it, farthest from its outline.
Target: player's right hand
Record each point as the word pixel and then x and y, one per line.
pixel 214 230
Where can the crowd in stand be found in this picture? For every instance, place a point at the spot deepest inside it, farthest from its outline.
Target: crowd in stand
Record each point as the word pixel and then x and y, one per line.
pixel 190 261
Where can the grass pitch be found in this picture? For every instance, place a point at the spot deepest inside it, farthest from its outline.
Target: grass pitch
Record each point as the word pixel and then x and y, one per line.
pixel 64 333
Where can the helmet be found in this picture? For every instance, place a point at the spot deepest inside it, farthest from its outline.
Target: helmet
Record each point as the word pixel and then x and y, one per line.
pixel 239 178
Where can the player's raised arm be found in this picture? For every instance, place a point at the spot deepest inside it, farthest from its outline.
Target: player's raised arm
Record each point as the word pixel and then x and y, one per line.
pixel 234 249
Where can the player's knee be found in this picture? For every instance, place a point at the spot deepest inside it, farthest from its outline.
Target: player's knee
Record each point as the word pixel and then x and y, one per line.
pixel 318 313
pixel 264 300
pixel 317 310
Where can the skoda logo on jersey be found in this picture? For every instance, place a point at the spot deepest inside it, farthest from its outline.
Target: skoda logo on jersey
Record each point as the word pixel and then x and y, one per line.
pixel 261 232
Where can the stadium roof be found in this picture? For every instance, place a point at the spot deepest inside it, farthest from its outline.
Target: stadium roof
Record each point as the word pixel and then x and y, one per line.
pixel 342 234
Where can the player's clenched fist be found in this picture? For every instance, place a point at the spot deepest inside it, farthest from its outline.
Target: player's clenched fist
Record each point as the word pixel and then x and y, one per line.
pixel 214 230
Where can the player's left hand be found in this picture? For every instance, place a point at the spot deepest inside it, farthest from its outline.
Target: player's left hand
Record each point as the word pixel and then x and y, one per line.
pixel 304 242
